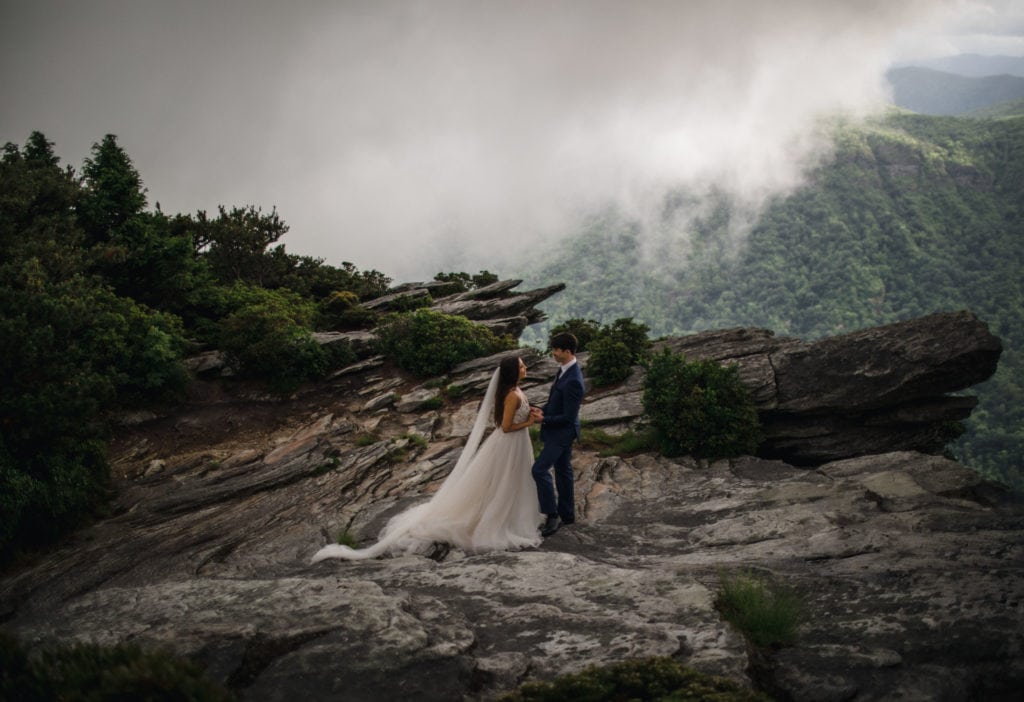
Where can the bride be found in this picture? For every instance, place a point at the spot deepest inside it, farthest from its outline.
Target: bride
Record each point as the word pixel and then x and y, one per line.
pixel 489 500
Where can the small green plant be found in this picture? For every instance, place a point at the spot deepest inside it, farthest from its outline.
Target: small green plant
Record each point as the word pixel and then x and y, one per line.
pixel 418 441
pixel 92 672
pixel 347 538
pixel 454 392
pixel 406 447
pixel 433 403
pixel 654 679
pixel 768 614
pixel 701 408
pixel 367 439
pixel 627 444
pixel 535 440
pixel 327 466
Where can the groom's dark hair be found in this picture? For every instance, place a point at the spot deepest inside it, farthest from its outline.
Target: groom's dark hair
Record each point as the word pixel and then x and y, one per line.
pixel 565 341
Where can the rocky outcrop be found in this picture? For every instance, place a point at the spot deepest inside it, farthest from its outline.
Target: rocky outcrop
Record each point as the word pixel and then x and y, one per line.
pixel 911 567
pixel 877 390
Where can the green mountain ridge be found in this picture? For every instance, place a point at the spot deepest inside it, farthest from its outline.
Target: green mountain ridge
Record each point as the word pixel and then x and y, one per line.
pixel 934 92
pixel 914 214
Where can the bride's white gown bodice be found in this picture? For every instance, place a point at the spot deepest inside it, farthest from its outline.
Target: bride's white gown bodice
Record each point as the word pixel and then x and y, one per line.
pixel 490 504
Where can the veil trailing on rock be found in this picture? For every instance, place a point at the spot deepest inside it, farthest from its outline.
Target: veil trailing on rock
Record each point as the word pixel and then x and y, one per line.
pixel 487 501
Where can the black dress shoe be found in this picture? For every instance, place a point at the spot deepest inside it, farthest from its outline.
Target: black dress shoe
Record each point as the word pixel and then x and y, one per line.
pixel 566 521
pixel 551 525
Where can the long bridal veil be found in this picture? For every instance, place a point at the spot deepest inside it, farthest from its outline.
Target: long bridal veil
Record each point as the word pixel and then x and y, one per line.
pixel 488 501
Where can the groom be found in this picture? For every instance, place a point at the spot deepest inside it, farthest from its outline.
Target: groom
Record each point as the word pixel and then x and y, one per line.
pixel 559 426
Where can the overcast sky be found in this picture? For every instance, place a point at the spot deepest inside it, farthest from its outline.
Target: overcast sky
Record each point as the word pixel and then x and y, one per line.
pixel 414 136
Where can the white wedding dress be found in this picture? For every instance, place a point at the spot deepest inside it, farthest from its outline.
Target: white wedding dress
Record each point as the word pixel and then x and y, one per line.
pixel 487 503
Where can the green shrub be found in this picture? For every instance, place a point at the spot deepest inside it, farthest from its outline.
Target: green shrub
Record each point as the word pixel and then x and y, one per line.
pixel 701 408
pixel 71 352
pixel 632 334
pixel 654 679
pixel 89 672
pixel 268 337
pixel 614 348
pixel 408 303
pixel 341 311
pixel 767 614
pixel 428 343
pixel 46 495
pixel 610 361
pixel 585 330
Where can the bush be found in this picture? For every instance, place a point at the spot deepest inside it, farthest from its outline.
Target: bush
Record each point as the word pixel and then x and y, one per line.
pixel 91 672
pixel 610 361
pixel 655 679
pixel 428 343
pixel 71 352
pixel 462 282
pixel 614 348
pixel 269 337
pixel 341 311
pixel 632 334
pixel 768 615
pixel 701 408
pixel 585 330
pixel 46 495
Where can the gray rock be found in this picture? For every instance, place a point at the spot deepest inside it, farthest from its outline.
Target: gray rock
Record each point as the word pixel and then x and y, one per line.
pixel 415 399
pixel 910 566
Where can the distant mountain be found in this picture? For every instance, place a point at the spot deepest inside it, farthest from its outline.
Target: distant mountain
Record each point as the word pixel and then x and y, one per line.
pixel 932 92
pixel 1014 108
pixel 973 65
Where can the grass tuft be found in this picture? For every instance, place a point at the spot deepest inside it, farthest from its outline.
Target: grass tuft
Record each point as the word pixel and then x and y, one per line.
pixel 768 614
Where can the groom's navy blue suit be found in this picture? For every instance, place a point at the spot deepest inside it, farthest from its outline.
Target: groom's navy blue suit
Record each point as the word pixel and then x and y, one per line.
pixel 561 426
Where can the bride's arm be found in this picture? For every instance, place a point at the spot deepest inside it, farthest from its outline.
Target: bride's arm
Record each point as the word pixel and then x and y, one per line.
pixel 508 414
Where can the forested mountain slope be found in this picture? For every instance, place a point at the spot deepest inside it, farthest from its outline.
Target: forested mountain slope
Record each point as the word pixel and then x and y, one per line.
pixel 934 92
pixel 914 214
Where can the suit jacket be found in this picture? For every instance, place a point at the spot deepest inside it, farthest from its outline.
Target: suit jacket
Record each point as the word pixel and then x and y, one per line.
pixel 562 411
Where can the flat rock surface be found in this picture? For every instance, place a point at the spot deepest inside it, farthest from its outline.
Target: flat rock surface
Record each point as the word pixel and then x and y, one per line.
pixel 910 566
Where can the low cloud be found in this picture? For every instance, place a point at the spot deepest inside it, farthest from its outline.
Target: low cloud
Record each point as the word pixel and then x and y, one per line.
pixel 415 136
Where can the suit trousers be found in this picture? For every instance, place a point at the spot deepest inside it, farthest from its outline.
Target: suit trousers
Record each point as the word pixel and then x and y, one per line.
pixel 558 456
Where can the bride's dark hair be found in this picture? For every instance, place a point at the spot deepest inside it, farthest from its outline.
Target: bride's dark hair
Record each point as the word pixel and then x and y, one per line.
pixel 508 378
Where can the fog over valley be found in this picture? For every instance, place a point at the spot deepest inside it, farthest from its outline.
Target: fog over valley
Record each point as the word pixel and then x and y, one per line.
pixel 413 137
